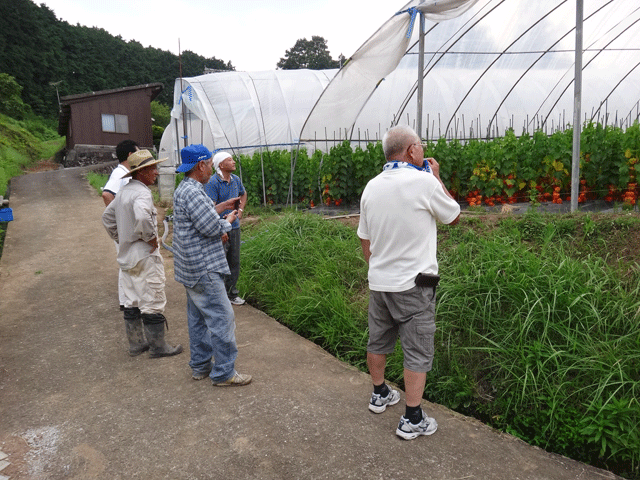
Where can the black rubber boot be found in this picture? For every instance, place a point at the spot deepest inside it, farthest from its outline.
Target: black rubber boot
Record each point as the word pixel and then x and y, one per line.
pixel 135 334
pixel 154 330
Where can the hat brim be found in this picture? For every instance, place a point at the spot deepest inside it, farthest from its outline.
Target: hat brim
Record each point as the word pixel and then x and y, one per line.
pixel 140 167
pixel 185 167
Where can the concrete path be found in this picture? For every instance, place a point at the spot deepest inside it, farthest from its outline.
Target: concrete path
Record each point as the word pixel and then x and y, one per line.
pixel 74 405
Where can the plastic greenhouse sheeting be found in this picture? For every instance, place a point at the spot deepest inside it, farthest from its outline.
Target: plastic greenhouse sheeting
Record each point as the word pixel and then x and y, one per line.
pixel 501 64
pixel 241 111
pixel 349 91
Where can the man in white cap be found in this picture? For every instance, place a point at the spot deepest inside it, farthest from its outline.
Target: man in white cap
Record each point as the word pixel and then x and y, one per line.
pixel 130 219
pixel 223 186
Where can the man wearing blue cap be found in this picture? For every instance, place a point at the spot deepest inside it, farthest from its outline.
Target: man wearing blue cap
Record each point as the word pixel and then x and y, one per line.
pixel 200 265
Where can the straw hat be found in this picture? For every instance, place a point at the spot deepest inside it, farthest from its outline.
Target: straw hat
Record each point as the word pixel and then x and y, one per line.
pixel 141 159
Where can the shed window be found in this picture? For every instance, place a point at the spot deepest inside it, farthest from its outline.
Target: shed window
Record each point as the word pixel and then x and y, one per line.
pixel 115 123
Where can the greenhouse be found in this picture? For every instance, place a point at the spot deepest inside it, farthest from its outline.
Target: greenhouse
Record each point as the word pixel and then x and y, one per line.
pixel 488 66
pixel 243 111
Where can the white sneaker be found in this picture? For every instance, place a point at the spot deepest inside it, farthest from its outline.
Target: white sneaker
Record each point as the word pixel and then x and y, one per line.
pixel 237 301
pixel 238 379
pixel 409 431
pixel 379 404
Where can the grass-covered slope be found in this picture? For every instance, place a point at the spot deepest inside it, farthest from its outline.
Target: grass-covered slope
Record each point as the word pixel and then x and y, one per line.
pixel 22 143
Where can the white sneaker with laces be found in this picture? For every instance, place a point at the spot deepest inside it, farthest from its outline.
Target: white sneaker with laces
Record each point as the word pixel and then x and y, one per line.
pixel 409 431
pixel 237 301
pixel 379 404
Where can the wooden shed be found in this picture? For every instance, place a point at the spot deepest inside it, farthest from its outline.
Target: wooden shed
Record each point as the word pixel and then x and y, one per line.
pixel 107 117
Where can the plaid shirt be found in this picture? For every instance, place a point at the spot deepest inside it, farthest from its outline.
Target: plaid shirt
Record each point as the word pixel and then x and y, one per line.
pixel 220 190
pixel 197 231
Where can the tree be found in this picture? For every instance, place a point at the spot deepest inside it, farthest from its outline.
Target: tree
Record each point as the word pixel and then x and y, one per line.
pixel 312 54
pixel 10 101
pixel 161 116
pixel 38 50
pixel 160 113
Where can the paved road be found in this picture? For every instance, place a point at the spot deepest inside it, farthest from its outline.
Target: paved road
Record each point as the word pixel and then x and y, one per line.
pixel 74 405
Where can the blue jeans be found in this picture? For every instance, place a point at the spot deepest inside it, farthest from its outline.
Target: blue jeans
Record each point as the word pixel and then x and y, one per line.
pixel 232 251
pixel 212 328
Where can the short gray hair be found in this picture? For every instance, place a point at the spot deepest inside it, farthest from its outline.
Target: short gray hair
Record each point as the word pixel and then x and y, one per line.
pixel 397 139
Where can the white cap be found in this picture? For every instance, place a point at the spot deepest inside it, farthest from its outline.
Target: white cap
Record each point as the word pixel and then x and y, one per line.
pixel 218 158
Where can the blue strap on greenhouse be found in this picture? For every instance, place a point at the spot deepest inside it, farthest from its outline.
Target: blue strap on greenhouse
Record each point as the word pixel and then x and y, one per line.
pixel 413 11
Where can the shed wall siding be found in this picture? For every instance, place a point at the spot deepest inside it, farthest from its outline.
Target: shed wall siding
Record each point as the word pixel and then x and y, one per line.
pixel 85 126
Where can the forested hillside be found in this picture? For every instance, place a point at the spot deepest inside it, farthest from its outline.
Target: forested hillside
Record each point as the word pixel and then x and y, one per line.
pixel 38 49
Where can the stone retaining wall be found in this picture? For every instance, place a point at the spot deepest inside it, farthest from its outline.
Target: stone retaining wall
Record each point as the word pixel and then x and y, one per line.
pixel 84 155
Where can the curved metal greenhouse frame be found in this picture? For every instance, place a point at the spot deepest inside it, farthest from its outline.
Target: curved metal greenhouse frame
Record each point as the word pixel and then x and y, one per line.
pixel 509 63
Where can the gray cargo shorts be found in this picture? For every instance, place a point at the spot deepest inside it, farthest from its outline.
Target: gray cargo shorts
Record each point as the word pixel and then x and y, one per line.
pixel 410 315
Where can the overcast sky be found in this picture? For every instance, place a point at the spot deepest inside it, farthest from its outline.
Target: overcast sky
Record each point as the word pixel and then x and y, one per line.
pixel 252 34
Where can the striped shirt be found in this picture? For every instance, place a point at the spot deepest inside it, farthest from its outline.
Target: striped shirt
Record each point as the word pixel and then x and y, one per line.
pixel 197 232
pixel 220 190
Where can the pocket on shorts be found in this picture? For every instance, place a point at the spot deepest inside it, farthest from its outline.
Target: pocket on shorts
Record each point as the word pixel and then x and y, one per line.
pixel 426 335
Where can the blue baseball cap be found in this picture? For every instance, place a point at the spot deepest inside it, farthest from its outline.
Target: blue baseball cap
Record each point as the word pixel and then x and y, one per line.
pixel 191 155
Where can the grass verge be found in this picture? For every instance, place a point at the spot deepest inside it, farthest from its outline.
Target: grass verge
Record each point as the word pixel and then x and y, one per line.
pixel 537 321
pixel 97 181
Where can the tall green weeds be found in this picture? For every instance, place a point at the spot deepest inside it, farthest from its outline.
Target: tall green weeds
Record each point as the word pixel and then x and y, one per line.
pixel 536 336
pixel 309 274
pixel 551 341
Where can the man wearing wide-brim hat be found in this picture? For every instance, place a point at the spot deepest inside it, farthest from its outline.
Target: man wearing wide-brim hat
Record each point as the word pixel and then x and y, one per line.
pixel 131 221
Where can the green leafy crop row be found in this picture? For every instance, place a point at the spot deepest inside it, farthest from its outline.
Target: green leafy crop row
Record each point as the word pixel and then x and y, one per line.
pixel 509 169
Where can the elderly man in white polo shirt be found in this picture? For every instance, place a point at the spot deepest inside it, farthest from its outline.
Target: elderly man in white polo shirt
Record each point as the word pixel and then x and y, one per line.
pixel 398 213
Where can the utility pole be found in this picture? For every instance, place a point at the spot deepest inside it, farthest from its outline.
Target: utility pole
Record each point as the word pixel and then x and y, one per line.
pixel 55 84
